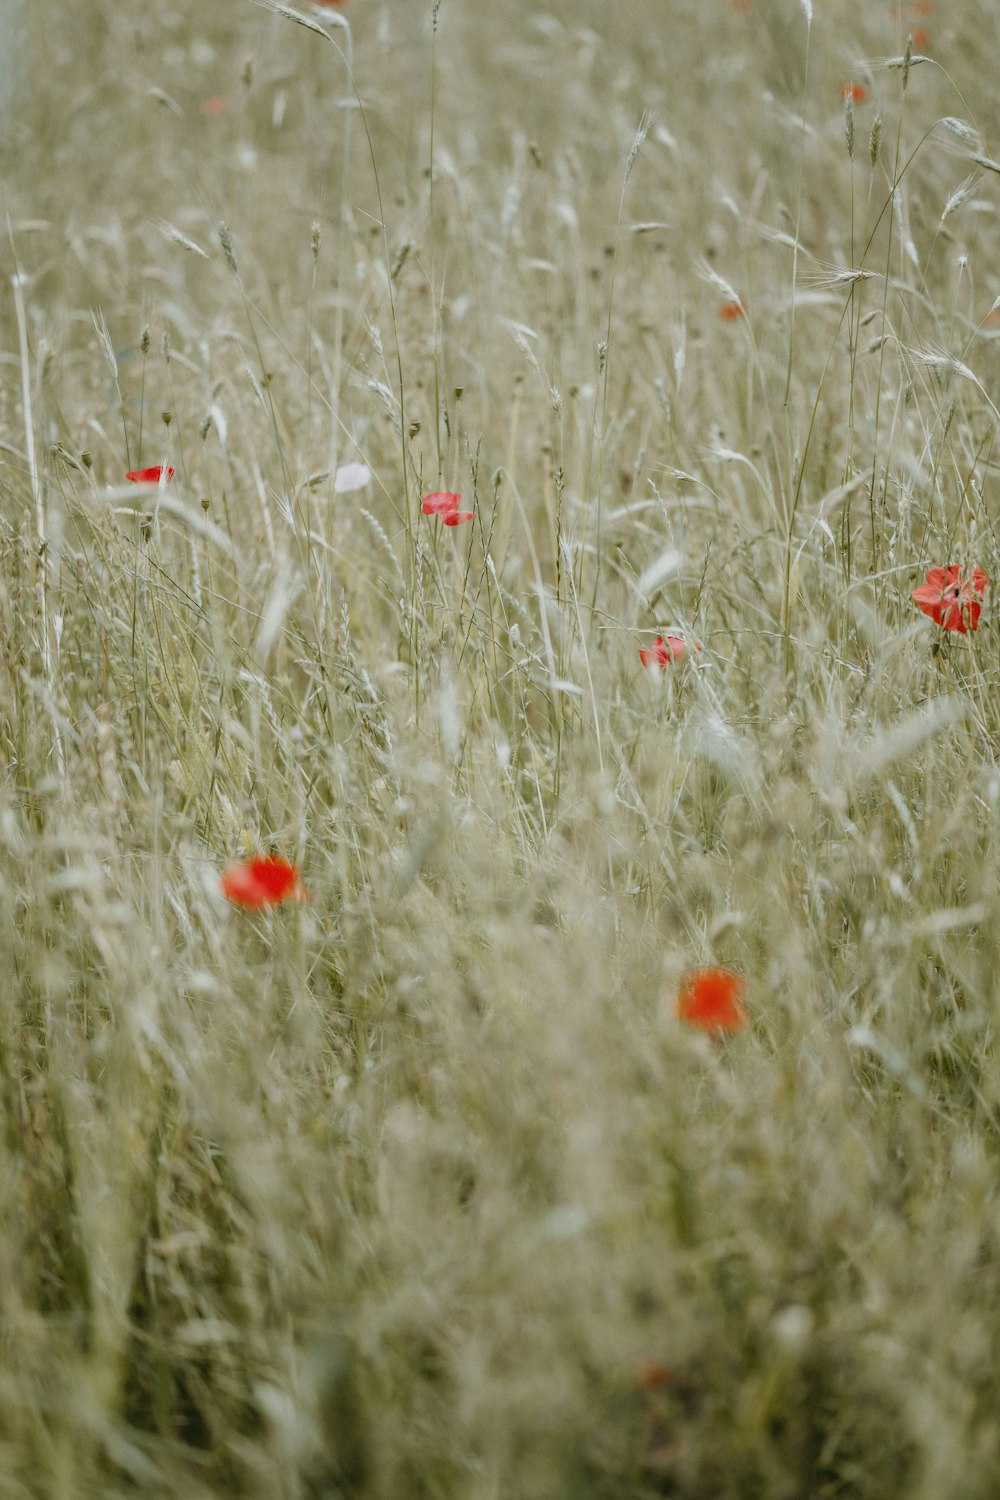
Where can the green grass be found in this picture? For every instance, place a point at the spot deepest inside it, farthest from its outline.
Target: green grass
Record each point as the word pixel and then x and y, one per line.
pixel 419 1187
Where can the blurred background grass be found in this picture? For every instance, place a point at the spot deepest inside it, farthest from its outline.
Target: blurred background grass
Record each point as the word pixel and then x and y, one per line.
pixel 419 1187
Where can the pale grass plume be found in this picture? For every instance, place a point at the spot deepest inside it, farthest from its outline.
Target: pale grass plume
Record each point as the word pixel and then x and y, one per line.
pixel 659 570
pixel 228 250
pixel 900 740
pixel 708 273
pixel 179 237
pixel 963 131
pixel 351 477
pixel 961 195
pixel 105 341
pixel 290 13
pixel 642 130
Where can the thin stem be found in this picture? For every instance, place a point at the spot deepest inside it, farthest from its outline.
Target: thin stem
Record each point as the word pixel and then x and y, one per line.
pixel 798 219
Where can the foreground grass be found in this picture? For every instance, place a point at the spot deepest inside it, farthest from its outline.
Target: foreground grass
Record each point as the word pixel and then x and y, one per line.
pixel 419 1187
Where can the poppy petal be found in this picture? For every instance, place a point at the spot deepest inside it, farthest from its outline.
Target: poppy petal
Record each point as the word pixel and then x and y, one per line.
pixel 655 655
pixel 151 476
pixel 440 503
pixel 263 881
pixel 939 577
pixel 664 650
pixel 952 602
pixel 713 1000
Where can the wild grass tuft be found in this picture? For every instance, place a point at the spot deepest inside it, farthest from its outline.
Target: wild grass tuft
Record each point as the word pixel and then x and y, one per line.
pixel 419 1186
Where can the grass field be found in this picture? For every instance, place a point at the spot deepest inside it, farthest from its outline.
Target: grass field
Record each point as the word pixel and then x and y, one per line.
pixel 419 1187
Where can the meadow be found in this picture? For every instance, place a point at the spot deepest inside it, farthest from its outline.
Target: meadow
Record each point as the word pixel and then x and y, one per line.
pixel 426 1180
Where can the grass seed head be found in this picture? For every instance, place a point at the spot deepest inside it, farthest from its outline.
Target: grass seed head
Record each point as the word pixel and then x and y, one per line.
pixel 226 241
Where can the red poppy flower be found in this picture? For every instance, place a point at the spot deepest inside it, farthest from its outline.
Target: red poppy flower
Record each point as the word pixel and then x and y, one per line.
pixel 921 38
pixel 263 881
pixel 664 650
pixel 856 92
pixel 151 476
pixel 445 504
pixel 213 106
pixel 713 1000
pixel 653 1375
pixel 440 503
pixel 953 602
pixel 730 311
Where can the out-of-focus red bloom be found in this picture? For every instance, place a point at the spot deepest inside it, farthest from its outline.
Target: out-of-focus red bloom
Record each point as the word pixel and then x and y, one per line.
pixel 713 1000
pixel 856 92
pixel 151 476
pixel 743 6
pixel 953 602
pixel 445 504
pixel 730 311
pixel 440 503
pixel 664 650
pixel 921 38
pixel 653 1375
pixel 263 881
pixel 213 106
